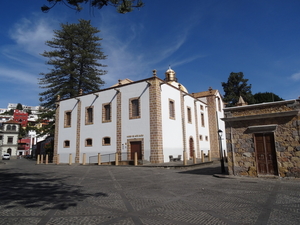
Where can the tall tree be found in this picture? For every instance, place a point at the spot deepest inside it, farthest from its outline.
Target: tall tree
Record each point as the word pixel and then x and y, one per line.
pixel 235 87
pixel 122 6
pixel 266 97
pixel 75 57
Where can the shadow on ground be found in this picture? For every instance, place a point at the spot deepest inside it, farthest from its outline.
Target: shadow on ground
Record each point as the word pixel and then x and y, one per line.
pixel 33 190
pixel 205 171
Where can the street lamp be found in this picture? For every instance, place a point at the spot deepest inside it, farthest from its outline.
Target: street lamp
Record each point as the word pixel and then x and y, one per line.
pixel 220 132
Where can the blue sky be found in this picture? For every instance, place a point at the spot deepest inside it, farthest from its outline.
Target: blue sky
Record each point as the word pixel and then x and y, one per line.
pixel 203 41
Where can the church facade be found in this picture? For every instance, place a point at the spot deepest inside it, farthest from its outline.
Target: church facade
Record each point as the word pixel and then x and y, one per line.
pixel 153 117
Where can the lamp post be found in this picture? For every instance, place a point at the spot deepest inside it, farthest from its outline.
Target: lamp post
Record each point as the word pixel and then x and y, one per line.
pixel 220 132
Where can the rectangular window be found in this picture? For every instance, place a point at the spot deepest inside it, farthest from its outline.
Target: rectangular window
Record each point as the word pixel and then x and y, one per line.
pixel 88 142
pixel 68 119
pixel 202 120
pixel 106 141
pixel 10 140
pixel 89 115
pixel 134 107
pixel 201 107
pixel 189 114
pixel 219 104
pixel 106 113
pixel 171 109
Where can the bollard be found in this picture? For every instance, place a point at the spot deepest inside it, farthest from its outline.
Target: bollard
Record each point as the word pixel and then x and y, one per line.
pixel 194 157
pixel 57 159
pixel 202 156
pixel 99 159
pixel 184 158
pixel 46 162
pixel 38 159
pixel 70 159
pixel 135 159
pixel 42 159
pixel 117 161
pixel 209 156
pixel 84 159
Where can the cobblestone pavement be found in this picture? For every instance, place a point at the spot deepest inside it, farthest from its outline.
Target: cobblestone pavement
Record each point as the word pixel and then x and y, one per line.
pixel 62 194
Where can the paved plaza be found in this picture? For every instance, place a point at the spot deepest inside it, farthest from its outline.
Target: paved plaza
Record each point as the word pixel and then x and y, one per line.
pixel 62 194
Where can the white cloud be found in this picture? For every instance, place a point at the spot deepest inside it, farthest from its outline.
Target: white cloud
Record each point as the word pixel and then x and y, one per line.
pixel 133 54
pixel 295 76
pixel 17 76
pixel 21 62
pixel 30 35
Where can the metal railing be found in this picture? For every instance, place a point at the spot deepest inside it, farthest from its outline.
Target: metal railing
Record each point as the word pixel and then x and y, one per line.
pixel 107 158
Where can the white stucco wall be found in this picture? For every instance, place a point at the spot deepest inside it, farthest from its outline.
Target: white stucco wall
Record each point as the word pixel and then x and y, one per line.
pixel 172 128
pixel 98 130
pixel 136 128
pixel 68 133
pixel 203 130
pixel 221 123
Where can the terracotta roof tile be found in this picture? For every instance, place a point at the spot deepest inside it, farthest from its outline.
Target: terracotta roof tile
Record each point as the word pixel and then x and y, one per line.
pixel 204 93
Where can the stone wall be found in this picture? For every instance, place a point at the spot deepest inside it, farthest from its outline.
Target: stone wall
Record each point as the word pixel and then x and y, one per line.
pixel 240 139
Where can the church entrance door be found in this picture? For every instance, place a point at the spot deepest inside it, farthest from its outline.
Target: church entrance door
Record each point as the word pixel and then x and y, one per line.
pixel 136 146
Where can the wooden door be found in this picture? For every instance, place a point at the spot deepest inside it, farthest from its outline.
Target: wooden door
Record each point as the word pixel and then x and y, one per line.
pixel 191 142
pixel 136 146
pixel 265 154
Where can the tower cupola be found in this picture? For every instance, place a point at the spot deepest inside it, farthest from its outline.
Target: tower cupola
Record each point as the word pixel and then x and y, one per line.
pixel 170 75
pixel 171 79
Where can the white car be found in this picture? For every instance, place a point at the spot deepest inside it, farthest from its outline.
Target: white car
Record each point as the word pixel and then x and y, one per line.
pixel 6 156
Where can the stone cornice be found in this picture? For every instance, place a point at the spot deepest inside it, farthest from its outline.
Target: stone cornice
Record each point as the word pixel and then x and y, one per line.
pixel 261 116
pixel 260 105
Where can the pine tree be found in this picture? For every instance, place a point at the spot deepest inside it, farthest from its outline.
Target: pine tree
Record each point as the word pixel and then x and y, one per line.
pixel 235 87
pixel 74 58
pixel 122 6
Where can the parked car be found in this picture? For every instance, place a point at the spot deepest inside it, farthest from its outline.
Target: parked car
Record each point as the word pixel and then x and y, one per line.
pixel 6 156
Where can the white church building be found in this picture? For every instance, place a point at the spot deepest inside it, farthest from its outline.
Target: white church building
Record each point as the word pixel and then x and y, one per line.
pixel 154 117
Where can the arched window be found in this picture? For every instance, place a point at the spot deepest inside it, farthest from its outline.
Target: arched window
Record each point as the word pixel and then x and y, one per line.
pixel 14 127
pixel 8 127
pixel 66 144
pixel 89 142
